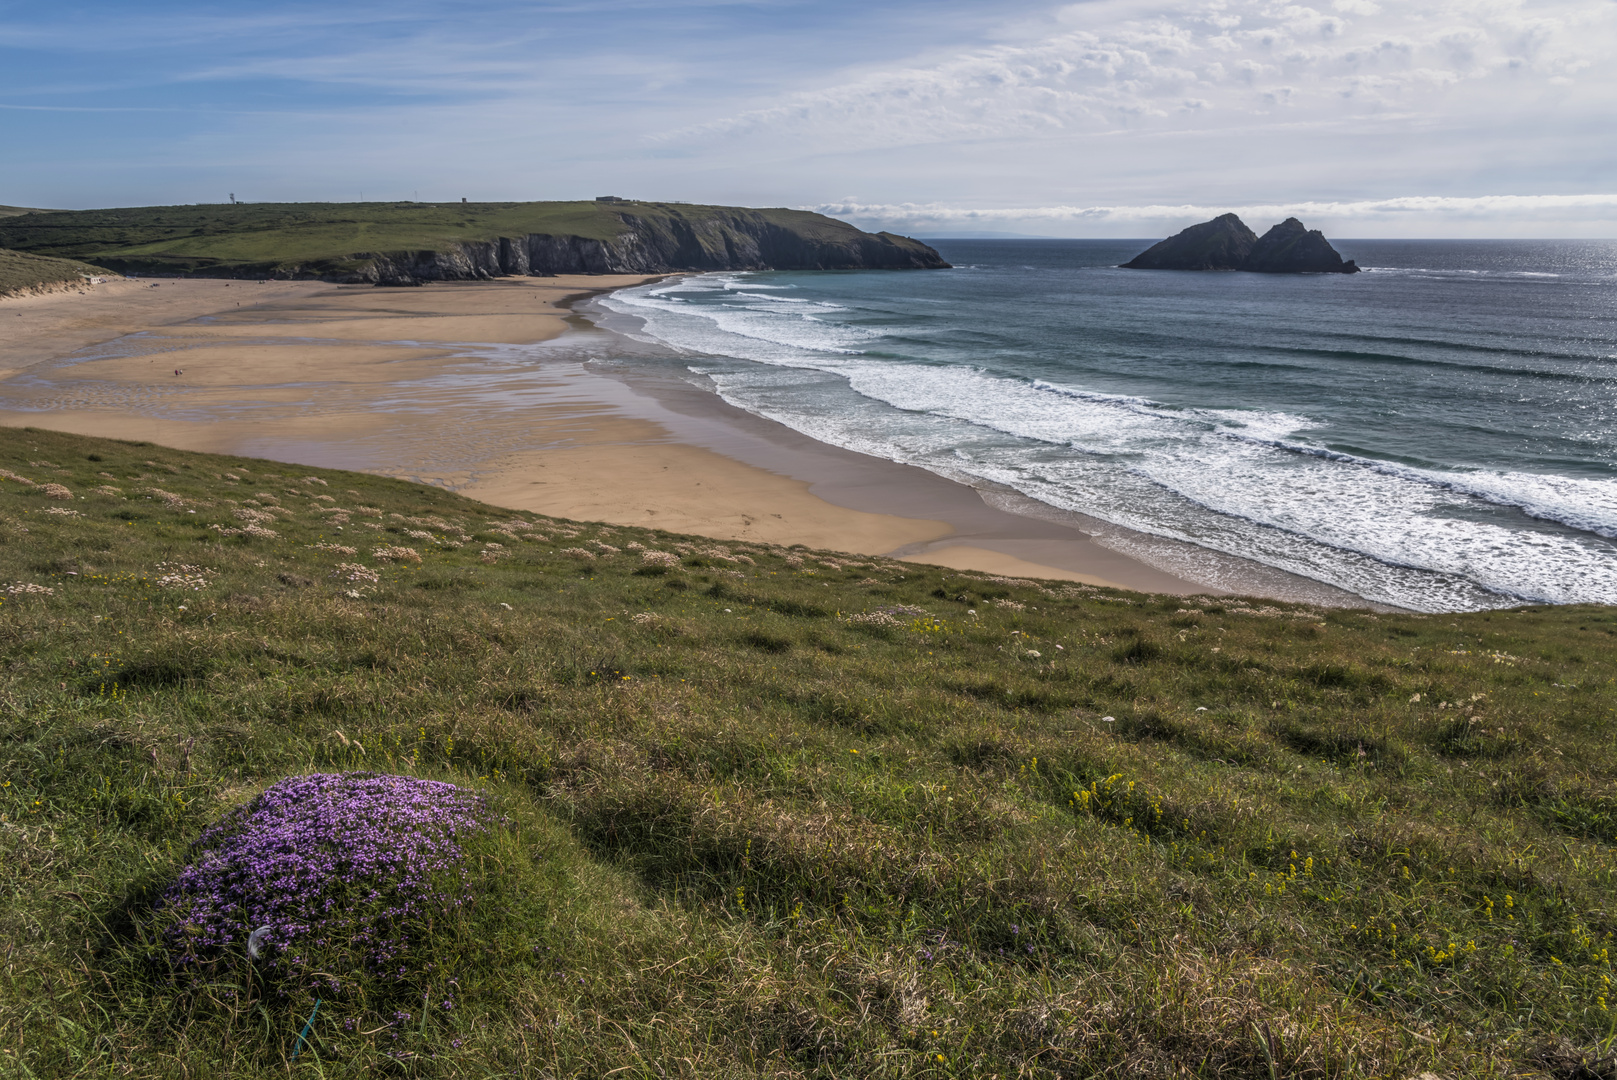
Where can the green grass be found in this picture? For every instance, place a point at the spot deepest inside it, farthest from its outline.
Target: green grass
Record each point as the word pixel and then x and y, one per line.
pixel 334 237
pixel 20 272
pixel 761 828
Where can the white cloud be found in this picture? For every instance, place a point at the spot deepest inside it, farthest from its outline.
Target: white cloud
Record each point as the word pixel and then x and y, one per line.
pixel 941 104
pixel 1422 204
pixel 1110 66
pixel 1489 211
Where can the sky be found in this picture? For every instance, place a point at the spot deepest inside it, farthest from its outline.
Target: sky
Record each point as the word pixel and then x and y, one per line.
pixel 1105 118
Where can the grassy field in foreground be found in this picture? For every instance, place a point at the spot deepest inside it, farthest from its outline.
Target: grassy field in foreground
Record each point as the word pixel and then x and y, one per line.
pixel 20 272
pixel 788 813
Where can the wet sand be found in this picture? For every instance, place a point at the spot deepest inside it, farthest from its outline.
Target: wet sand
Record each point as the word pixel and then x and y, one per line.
pixel 485 388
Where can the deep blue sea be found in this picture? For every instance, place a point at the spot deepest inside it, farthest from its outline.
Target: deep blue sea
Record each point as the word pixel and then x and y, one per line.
pixel 1438 432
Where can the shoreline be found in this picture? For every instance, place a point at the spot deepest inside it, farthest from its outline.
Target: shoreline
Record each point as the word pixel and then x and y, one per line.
pixel 486 388
pixel 989 529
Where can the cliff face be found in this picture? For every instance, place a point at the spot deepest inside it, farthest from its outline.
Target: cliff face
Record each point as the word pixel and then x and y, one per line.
pixel 1220 244
pixel 1293 248
pixel 1225 243
pixel 413 242
pixel 733 240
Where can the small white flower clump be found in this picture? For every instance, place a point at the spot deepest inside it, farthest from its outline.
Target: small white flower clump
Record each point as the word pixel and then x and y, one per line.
pixel 875 618
pixel 185 576
pixel 390 553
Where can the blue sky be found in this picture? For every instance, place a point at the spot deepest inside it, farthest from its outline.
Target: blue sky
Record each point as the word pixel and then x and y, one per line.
pixel 1101 118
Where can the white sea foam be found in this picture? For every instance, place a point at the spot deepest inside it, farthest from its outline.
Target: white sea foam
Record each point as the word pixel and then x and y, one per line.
pixel 1396 518
pixel 740 330
pixel 1246 482
pixel 1461 273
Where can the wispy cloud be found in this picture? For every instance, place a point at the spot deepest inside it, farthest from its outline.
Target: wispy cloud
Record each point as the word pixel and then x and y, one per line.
pixel 1100 114
pixel 1575 215
pixel 1105 66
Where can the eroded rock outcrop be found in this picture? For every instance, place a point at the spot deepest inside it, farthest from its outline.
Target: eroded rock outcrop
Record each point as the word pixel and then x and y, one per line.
pixel 665 243
pixel 1225 243
pixel 1220 244
pixel 411 243
pixel 1293 248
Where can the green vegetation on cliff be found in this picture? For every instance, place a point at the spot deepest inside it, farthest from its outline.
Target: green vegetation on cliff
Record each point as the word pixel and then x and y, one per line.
pixel 787 813
pixel 275 233
pixel 345 240
pixel 20 272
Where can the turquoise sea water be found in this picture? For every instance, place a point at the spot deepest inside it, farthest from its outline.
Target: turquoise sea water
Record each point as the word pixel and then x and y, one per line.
pixel 1439 432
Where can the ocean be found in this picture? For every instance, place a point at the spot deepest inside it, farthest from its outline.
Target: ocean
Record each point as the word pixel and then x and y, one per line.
pixel 1437 433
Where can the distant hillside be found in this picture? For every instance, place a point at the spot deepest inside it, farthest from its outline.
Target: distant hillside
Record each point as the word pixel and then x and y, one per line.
pixel 407 242
pixel 20 272
pixel 12 211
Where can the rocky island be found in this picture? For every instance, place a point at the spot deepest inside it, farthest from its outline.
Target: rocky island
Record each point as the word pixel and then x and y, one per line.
pixel 1226 243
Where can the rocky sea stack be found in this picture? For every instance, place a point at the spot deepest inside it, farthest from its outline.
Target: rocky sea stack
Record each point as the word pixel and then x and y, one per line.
pixel 1225 243
pixel 1220 244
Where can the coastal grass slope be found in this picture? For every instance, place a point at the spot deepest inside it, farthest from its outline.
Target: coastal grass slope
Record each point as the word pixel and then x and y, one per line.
pixel 783 812
pixel 21 272
pixel 343 239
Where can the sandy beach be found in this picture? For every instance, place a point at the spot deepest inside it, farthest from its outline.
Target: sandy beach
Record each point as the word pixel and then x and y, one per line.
pixel 486 388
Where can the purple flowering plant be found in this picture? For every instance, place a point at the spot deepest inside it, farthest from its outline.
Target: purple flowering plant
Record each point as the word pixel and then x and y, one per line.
pixel 342 873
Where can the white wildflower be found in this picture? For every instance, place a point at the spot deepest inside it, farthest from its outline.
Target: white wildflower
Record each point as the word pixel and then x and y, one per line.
pixel 390 553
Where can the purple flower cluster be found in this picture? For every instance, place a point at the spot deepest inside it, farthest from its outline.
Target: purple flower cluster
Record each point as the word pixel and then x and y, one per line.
pixel 353 863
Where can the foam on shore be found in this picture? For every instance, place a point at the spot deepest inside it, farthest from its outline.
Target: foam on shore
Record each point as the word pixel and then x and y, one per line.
pixel 491 389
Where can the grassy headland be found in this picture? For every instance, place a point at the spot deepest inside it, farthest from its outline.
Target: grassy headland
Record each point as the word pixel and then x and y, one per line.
pixel 790 813
pixel 21 272
pixel 255 234
pixel 333 239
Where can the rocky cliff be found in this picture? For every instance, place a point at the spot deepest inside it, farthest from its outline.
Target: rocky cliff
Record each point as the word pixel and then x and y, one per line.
pixel 1225 243
pixel 664 243
pixel 413 242
pixel 1220 244
pixel 1293 248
